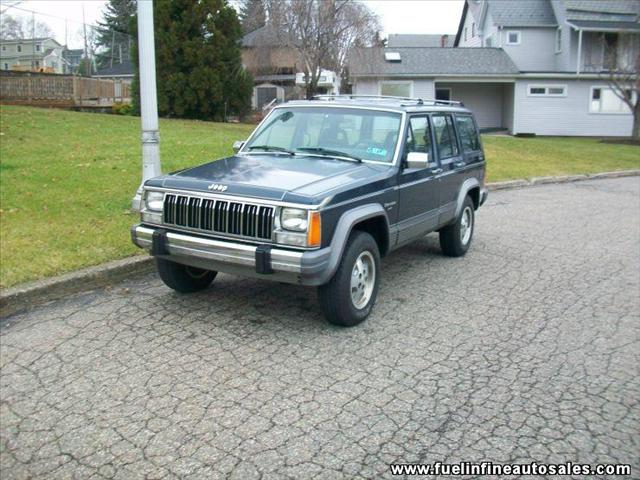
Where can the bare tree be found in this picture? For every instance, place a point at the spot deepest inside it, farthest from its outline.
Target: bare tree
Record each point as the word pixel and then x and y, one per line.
pixel 322 32
pixel 622 60
pixel 11 28
pixel 17 27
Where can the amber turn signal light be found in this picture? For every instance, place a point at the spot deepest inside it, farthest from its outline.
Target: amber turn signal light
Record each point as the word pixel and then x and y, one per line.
pixel 314 233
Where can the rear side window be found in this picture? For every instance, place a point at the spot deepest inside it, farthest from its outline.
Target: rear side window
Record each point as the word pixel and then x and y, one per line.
pixel 445 136
pixel 468 133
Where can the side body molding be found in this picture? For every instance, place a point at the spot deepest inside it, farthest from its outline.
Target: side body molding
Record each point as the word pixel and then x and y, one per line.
pixel 342 231
pixel 467 185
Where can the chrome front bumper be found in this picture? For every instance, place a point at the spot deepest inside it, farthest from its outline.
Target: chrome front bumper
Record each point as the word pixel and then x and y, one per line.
pixel 260 261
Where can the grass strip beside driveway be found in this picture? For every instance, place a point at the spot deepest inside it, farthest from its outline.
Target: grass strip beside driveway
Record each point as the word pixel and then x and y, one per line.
pixel 67 178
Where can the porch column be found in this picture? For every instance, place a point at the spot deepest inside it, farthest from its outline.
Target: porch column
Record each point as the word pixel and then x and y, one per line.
pixel 579 52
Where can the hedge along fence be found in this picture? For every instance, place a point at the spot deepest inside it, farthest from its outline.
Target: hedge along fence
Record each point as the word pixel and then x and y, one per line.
pixel 63 89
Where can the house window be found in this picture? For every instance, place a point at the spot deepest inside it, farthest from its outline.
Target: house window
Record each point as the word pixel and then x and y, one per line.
pixel 488 42
pixel 38 46
pixel 513 38
pixel 396 89
pixel 37 63
pixel 465 34
pixel 6 66
pixel 19 47
pixel 547 90
pixel 605 100
pixel 443 94
pixel 473 29
pixel 559 40
pixel 610 42
pixel 4 48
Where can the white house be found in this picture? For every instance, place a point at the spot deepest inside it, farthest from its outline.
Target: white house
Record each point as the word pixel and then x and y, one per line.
pixel 526 66
pixel 38 54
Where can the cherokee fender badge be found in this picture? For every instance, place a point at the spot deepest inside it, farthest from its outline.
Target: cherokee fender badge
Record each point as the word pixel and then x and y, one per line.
pixel 217 187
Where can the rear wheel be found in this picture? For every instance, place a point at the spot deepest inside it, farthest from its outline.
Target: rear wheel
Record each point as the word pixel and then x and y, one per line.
pixel 455 239
pixel 182 278
pixel 349 296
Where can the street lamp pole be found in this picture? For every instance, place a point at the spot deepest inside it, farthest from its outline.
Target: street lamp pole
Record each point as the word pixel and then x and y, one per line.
pixel 148 100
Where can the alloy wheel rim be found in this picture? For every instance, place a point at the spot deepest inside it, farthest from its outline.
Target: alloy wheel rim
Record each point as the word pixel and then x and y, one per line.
pixel 466 225
pixel 363 279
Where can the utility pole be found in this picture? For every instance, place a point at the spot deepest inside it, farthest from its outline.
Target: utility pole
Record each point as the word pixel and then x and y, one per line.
pixel 33 41
pixel 86 54
pixel 148 100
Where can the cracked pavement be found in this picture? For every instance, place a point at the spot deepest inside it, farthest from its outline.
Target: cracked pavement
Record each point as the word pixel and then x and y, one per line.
pixel 527 349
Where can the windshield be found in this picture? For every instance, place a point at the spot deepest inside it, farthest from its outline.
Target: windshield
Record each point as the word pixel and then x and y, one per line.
pixel 356 133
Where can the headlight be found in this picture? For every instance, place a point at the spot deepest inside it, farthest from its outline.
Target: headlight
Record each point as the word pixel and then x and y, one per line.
pixel 153 201
pixel 294 219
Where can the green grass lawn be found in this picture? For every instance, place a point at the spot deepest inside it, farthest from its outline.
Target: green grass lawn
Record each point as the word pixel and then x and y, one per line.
pixel 67 178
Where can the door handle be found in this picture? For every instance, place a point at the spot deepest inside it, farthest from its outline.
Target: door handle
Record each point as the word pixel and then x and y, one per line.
pixel 459 164
pixel 436 171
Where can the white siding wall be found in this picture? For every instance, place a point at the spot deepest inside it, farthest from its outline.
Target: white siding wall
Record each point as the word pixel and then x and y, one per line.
pixel 484 99
pixel 566 115
pixel 489 29
pixel 471 41
pixel 424 88
pixel 365 86
pixel 536 52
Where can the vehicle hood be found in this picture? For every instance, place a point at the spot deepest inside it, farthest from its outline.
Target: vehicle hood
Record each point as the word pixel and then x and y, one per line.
pixel 297 179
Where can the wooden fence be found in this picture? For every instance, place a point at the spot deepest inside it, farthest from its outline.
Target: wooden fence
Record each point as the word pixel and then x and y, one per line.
pixel 63 90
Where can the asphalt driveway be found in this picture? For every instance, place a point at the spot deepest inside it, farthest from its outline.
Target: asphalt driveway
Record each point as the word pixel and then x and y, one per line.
pixel 525 350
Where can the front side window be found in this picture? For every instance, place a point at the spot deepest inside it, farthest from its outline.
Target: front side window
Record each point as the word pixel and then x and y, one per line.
pixel 559 40
pixel 445 136
pixel 364 134
pixel 19 47
pixel 37 47
pixel 468 133
pixel 396 89
pixel 419 135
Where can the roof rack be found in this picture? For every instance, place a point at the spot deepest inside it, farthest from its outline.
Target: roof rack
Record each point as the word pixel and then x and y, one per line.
pixel 408 100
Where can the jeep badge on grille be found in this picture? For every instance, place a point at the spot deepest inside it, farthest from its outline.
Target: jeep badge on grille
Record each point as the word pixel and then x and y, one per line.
pixel 217 187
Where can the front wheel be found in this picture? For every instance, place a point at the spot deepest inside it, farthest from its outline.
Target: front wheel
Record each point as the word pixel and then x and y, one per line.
pixel 455 239
pixel 182 278
pixel 348 298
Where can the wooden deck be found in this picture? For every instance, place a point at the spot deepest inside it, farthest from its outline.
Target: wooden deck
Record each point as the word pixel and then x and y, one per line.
pixel 62 91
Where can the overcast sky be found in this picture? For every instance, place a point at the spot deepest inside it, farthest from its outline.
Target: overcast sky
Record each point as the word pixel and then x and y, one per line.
pixel 396 16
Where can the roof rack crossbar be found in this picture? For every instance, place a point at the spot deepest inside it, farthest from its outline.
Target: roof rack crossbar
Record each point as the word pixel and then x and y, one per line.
pixel 417 101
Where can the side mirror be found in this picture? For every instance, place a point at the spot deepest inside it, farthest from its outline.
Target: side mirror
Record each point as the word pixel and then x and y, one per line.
pixel 417 160
pixel 237 145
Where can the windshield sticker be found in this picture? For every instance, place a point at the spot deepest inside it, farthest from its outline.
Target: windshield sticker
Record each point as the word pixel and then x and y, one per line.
pixel 377 151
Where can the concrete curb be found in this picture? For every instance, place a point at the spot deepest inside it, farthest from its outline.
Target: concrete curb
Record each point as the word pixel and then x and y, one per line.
pixel 22 297
pixel 534 181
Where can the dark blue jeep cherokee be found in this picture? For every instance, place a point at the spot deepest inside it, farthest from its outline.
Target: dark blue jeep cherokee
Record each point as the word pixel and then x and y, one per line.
pixel 317 194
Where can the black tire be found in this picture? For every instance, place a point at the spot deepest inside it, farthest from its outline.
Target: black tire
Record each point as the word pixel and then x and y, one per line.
pixel 451 241
pixel 182 278
pixel 335 297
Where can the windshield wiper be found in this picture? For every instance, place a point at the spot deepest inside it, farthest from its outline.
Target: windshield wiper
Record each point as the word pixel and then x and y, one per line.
pixel 331 153
pixel 271 148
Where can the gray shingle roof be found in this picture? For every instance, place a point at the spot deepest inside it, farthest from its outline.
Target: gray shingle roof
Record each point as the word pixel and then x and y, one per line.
pixel 397 40
pixel 611 10
pixel 118 69
pixel 431 61
pixel 522 13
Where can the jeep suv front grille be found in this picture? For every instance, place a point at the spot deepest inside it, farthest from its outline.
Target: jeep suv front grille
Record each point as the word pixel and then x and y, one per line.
pixel 219 216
